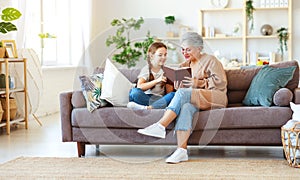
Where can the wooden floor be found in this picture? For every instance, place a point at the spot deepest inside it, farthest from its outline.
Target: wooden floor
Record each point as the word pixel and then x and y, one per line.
pixel 45 141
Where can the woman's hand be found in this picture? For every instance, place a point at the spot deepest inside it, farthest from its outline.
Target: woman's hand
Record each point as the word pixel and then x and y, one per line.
pixel 189 82
pixel 177 85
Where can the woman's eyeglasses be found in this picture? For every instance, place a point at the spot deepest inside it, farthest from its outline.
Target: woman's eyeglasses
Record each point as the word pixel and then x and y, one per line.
pixel 186 50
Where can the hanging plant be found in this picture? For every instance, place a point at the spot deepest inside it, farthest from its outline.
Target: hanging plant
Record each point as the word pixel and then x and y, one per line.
pixel 283 36
pixel 249 13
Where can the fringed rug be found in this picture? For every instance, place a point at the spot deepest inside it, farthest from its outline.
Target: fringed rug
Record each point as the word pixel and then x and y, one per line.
pixel 145 168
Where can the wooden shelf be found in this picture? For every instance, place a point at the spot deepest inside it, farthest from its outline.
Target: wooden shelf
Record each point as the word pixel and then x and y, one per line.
pixel 244 37
pixel 6 62
pixel 221 9
pixel 223 38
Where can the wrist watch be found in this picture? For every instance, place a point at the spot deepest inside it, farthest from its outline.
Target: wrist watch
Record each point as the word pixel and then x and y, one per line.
pixel 219 3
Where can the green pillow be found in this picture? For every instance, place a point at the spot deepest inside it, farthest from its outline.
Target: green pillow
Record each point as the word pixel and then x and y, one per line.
pixel 265 83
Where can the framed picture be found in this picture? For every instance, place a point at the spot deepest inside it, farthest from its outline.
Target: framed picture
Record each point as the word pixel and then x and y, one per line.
pixel 10 44
pixel 9 52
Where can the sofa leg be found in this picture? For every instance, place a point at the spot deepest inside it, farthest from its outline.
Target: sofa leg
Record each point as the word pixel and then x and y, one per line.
pixel 97 149
pixel 81 149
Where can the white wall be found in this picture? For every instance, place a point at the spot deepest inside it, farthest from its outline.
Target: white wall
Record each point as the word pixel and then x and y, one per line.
pixel 56 80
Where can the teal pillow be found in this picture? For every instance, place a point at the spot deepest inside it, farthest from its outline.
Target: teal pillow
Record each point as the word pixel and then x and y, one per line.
pixel 265 83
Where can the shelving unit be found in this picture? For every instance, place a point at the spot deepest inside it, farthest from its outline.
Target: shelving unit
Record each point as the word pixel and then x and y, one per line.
pixel 7 91
pixel 245 38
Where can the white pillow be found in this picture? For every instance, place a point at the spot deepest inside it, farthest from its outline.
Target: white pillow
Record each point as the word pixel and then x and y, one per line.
pixel 115 86
pixel 296 109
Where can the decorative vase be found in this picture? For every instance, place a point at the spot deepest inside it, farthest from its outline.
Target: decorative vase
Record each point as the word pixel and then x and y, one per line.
pixel 266 30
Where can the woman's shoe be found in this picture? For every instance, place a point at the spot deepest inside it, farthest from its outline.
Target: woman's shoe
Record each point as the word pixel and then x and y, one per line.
pixel 155 130
pixel 178 156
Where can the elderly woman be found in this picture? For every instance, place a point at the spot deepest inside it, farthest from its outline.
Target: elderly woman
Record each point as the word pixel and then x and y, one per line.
pixel 206 90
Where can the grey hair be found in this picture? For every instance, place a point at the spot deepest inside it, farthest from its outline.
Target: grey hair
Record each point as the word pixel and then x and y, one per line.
pixel 192 39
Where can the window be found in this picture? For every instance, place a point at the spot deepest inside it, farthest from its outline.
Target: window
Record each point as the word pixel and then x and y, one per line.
pixel 63 26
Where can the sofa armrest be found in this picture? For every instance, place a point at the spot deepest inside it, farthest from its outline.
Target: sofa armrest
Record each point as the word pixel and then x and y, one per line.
pixel 297 95
pixel 65 115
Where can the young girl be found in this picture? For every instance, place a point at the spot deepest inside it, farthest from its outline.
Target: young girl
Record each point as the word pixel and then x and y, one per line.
pixel 151 89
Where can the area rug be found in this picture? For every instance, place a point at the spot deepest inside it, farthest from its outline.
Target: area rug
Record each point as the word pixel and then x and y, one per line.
pixel 138 168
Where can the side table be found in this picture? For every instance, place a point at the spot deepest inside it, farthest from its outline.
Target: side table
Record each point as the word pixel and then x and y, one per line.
pixel 290 136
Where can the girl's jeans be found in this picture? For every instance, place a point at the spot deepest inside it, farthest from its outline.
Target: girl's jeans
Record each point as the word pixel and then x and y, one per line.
pixel 181 105
pixel 157 102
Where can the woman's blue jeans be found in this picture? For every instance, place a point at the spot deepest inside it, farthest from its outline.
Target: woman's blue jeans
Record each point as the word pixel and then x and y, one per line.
pixel 181 105
pixel 157 102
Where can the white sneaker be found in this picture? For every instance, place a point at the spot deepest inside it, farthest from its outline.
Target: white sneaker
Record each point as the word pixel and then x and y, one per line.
pixel 135 106
pixel 155 130
pixel 179 155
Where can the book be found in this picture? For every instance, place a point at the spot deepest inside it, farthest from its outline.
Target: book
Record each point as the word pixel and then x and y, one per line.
pixel 176 73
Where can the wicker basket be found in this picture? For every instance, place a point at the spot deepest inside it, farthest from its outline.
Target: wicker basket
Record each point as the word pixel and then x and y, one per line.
pixel 290 136
pixel 13 107
pixel 1 112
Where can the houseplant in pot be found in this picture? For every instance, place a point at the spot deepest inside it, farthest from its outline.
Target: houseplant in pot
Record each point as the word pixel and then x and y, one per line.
pixel 169 20
pixel 129 53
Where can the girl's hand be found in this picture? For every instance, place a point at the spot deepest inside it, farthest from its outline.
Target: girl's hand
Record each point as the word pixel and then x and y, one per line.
pixel 161 78
pixel 177 85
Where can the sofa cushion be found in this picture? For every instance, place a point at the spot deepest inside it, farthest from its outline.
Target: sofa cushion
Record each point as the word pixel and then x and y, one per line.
pixel 115 117
pixel 115 86
pixel 283 97
pixel 91 88
pixel 244 117
pixel 267 81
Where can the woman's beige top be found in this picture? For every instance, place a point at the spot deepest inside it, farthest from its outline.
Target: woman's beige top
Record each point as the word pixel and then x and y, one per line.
pixel 211 92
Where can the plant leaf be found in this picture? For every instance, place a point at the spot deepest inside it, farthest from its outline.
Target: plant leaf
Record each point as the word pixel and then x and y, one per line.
pixel 10 14
pixel 7 27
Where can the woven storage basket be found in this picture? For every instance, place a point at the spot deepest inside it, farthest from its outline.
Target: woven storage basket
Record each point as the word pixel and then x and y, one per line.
pixel 13 107
pixel 1 112
pixel 290 136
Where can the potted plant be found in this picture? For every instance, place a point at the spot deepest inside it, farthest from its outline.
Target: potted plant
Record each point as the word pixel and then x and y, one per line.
pixel 249 13
pixel 129 53
pixel 169 20
pixel 283 36
pixel 144 45
pixel 7 16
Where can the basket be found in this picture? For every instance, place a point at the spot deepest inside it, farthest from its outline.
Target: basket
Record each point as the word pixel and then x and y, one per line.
pixel 13 107
pixel 290 136
pixel 1 112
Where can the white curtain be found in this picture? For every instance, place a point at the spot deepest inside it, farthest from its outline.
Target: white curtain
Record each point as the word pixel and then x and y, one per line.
pixel 68 20
pixel 70 23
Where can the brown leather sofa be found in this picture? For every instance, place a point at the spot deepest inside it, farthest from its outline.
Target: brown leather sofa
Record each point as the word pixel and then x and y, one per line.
pixel 234 125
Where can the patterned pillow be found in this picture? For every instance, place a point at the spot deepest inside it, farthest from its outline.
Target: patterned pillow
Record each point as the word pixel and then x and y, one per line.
pixel 91 88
